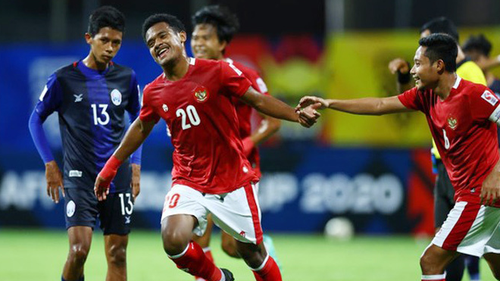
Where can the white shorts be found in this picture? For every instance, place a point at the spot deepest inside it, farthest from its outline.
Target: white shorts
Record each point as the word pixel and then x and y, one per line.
pixel 471 229
pixel 236 212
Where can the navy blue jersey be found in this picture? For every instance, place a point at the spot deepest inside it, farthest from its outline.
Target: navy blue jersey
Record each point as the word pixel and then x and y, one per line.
pixel 91 105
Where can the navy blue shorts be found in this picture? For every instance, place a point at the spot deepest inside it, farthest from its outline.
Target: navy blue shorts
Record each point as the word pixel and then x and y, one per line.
pixel 82 209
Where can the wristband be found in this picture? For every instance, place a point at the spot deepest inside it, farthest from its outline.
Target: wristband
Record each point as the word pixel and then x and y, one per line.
pixel 404 78
pixel 109 170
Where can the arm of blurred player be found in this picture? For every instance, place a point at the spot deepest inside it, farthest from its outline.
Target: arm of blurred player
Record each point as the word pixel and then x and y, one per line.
pixel 273 107
pixel 135 136
pixel 363 106
pixel 490 191
pixel 402 69
pixel 267 127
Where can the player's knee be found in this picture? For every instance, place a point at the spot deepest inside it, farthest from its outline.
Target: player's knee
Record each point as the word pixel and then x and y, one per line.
pixel 117 255
pixel 78 254
pixel 428 264
pixel 174 242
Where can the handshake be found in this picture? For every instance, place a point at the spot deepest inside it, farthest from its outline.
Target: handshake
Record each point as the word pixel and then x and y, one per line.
pixel 307 110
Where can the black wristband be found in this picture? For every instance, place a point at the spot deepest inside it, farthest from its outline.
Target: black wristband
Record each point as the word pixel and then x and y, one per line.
pixel 404 78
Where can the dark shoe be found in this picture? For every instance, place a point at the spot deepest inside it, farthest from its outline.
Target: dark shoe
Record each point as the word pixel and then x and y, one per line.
pixel 227 274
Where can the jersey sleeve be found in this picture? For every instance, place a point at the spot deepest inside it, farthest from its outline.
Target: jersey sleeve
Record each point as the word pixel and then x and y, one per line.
pixel 484 105
pixel 411 99
pixel 134 109
pixel 147 111
pixel 50 99
pixel 233 79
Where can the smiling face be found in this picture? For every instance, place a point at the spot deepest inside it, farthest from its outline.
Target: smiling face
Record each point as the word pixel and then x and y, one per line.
pixel 104 45
pixel 165 44
pixel 205 43
pixel 425 73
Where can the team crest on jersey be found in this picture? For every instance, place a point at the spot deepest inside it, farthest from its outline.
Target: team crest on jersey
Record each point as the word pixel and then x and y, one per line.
pixel 489 97
pixel 452 123
pixel 200 94
pixel 116 97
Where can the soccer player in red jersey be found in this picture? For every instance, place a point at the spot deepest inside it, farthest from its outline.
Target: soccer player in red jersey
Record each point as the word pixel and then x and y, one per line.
pixel 463 119
pixel 214 28
pixel 210 173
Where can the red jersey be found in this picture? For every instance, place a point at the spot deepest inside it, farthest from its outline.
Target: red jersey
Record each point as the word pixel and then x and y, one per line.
pixel 465 137
pixel 203 124
pixel 245 112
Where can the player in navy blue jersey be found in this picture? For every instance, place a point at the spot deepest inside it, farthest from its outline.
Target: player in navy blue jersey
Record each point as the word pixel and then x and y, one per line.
pixel 91 97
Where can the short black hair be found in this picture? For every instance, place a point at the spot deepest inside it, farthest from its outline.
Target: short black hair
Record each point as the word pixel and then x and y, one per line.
pixel 106 16
pixel 478 43
pixel 172 21
pixel 441 25
pixel 222 18
pixel 441 46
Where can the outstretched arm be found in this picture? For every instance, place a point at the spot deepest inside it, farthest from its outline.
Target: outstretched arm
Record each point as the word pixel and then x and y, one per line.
pixel 363 106
pixel 135 136
pixel 273 107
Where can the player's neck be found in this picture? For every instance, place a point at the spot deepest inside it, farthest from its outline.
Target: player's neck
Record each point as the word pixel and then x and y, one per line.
pixel 445 85
pixel 177 69
pixel 92 63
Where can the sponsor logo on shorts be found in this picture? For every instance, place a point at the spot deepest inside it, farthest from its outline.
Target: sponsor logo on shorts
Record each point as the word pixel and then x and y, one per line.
pixel 75 174
pixel 70 209
pixel 127 219
pixel 78 98
pixel 243 233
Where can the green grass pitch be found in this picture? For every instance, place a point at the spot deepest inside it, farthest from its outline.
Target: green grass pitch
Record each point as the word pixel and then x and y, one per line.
pixel 27 254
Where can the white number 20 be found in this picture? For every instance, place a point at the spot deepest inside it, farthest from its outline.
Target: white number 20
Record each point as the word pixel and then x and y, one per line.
pixel 191 114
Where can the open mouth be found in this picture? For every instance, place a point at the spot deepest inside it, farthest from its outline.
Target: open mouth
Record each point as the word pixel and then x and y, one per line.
pixel 162 53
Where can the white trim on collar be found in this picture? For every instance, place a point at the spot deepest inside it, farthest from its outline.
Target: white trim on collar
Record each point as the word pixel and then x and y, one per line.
pixel 457 82
pixel 192 61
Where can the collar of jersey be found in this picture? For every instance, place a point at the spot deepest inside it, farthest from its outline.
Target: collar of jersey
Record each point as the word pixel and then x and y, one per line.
pixel 89 72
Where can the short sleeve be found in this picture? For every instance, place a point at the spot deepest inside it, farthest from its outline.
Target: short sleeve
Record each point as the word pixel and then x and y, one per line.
pixel 147 111
pixel 50 99
pixel 484 104
pixel 411 99
pixel 233 79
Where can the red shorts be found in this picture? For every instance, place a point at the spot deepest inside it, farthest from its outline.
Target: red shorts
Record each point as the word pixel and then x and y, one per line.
pixel 471 229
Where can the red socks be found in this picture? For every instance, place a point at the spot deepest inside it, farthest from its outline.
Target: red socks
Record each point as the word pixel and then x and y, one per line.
pixel 269 271
pixel 208 253
pixel 194 261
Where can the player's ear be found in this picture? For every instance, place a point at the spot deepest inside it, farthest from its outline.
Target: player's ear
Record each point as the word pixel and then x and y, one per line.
pixel 440 66
pixel 183 36
pixel 223 45
pixel 88 38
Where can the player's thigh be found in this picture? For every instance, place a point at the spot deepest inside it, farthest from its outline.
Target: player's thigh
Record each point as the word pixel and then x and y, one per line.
pixel 115 213
pixel 436 258
pixel 494 263
pixel 80 238
pixel 80 207
pixel 183 213
pixel 237 213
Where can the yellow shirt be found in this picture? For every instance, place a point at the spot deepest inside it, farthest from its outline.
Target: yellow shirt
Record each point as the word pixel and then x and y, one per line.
pixel 470 71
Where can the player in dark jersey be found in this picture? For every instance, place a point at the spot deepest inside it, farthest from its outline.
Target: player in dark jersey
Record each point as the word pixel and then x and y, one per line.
pixel 91 97
pixel 463 119
pixel 210 172
pixel 214 28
